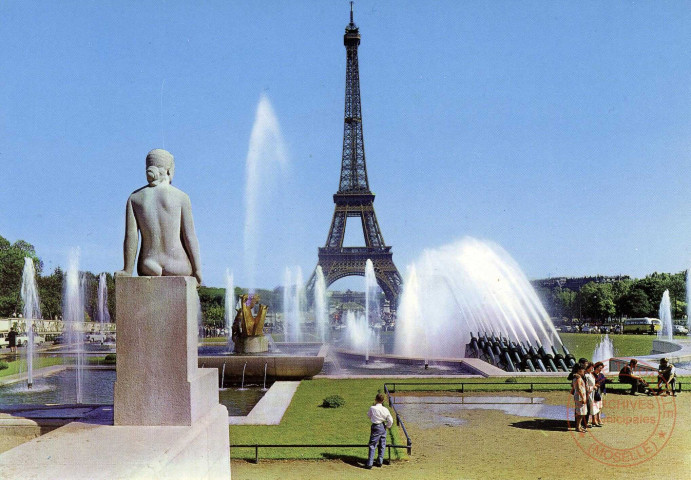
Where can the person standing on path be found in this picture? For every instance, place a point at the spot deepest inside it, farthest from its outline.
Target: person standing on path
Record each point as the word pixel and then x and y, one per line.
pixel 12 339
pixel 381 419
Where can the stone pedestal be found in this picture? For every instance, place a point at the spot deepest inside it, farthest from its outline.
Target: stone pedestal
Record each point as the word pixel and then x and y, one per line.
pixel 158 382
pixel 168 423
pixel 254 344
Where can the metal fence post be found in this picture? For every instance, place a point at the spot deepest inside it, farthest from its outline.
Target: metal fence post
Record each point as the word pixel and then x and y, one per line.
pixel 256 453
pixel 410 447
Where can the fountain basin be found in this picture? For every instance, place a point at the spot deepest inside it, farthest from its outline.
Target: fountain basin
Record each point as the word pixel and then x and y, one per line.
pixel 282 365
pixel 454 366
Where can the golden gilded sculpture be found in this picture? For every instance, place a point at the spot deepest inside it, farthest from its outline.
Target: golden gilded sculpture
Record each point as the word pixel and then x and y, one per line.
pixel 250 325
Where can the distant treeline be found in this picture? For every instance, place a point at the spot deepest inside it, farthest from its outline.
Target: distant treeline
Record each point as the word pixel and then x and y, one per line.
pixel 598 300
pixel 50 288
pixel 615 297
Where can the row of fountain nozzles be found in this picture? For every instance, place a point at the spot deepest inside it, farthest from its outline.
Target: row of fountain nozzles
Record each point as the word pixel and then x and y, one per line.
pixel 518 356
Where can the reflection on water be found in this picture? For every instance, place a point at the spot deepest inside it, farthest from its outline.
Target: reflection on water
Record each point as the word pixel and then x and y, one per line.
pixel 435 411
pixel 240 402
pixel 59 388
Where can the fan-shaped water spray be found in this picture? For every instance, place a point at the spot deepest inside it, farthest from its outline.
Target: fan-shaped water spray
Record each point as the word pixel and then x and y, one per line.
pixel 463 287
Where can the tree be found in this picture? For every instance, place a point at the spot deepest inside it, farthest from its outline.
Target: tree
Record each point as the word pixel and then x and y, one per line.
pixel 597 301
pixel 50 292
pixel 635 303
pixel 11 268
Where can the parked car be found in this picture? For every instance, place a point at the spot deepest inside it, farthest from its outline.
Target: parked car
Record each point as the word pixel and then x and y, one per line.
pixel 3 340
pixel 23 339
pixel 680 330
pixel 96 337
pixel 589 329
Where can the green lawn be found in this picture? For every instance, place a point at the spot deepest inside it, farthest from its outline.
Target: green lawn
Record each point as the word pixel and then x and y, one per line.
pixel 15 366
pixel 306 422
pixel 583 344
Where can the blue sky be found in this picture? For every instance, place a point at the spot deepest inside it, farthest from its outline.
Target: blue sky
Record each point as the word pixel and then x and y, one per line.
pixel 560 130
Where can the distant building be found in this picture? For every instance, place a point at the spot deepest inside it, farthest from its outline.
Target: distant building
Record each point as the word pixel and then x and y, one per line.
pixel 576 283
pixel 348 296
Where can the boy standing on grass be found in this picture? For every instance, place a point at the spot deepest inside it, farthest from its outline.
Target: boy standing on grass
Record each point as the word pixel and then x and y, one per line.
pixel 381 419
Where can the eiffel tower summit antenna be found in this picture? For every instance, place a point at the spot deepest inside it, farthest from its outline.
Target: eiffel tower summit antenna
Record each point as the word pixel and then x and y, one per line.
pixel 354 198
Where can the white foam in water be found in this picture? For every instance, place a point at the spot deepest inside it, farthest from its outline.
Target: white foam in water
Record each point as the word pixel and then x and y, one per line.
pixel 465 287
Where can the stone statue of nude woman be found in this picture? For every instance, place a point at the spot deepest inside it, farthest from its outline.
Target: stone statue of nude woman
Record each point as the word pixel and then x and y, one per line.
pixel 162 214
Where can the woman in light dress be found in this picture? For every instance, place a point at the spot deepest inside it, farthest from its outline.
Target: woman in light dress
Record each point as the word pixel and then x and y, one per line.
pixel 593 408
pixel 580 398
pixel 600 381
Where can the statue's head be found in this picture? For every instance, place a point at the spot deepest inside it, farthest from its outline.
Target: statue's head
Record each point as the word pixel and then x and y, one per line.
pixel 160 165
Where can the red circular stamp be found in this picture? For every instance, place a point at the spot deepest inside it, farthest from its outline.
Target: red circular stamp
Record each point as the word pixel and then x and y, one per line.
pixel 635 428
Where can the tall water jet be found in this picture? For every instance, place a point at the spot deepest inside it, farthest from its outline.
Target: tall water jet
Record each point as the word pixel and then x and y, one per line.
pixel 665 311
pixel 604 350
pixel 371 290
pixel 293 304
pixel 102 313
pixel 31 311
pixel 229 308
pixel 359 336
pixel 321 311
pixel 73 315
pixel 266 154
pixel 468 286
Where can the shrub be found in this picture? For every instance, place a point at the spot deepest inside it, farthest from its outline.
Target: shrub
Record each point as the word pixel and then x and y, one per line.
pixel 333 401
pixel 4 365
pixel 110 359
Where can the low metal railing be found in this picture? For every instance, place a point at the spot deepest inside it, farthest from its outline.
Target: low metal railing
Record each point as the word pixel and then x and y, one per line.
pixel 399 421
pixel 257 446
pixel 462 386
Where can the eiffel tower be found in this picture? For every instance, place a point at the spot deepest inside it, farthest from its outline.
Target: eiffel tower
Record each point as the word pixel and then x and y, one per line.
pixel 354 198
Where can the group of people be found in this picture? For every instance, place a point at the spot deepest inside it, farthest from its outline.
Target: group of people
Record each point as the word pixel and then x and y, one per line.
pixel 665 378
pixel 588 385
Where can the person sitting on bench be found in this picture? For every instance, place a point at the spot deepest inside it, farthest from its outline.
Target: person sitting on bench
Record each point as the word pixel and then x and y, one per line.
pixel 626 375
pixel 666 374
